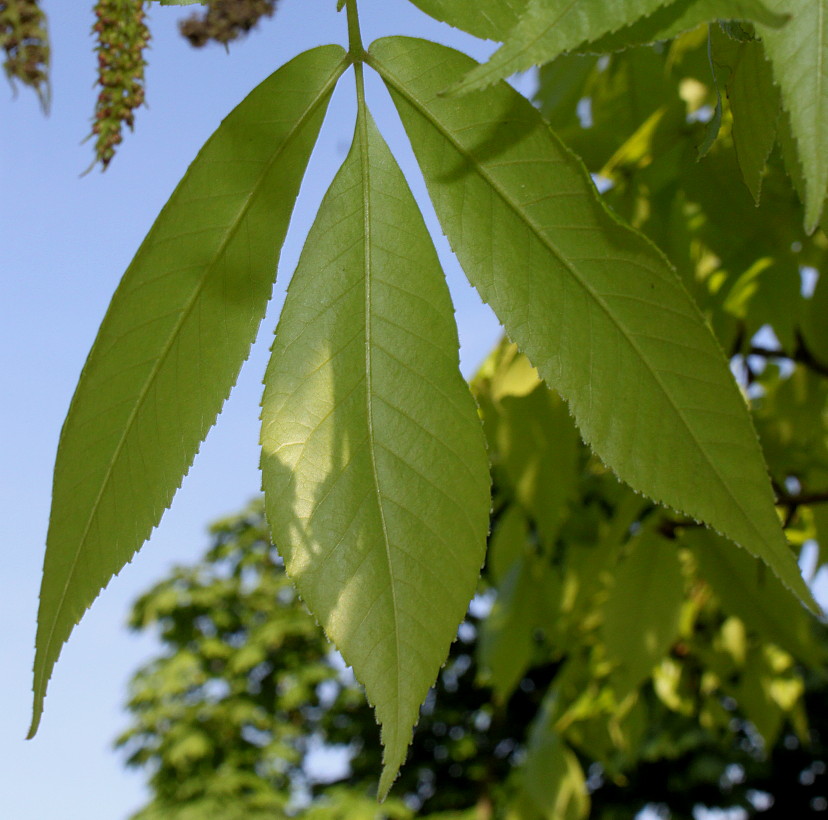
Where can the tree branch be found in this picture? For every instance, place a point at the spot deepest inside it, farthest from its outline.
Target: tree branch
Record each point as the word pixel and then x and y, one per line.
pixel 801 355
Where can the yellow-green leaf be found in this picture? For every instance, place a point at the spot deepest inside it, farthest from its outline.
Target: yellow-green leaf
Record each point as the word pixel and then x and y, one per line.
pixel 170 347
pixel 488 19
pixel 595 306
pixel 373 458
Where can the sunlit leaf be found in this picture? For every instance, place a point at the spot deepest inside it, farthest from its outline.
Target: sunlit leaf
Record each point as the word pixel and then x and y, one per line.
pixel 172 342
pixel 593 304
pixel 754 101
pixel 641 613
pixel 374 464
pixel 488 19
pixel 747 590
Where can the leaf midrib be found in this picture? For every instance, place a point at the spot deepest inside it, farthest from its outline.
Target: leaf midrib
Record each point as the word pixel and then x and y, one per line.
pixel 325 91
pixel 400 87
pixel 365 178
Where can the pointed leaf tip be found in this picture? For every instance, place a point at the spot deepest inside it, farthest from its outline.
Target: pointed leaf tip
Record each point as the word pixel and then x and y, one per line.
pixel 373 459
pixel 592 303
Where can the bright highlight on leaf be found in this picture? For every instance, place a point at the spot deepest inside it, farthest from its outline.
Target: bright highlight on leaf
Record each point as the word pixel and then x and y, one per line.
pixel 799 55
pixel 593 304
pixel 373 459
pixel 175 335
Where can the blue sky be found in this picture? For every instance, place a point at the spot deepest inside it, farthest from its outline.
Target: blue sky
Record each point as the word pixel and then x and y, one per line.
pixel 66 242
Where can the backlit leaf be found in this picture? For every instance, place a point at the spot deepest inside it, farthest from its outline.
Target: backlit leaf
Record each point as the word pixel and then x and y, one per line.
pixel 592 303
pixel 172 342
pixel 641 614
pixel 374 465
pixel 488 19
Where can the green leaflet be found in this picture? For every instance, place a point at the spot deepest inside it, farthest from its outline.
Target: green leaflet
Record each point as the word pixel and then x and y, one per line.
pixel 684 15
pixel 754 101
pixel 373 458
pixel 746 590
pixel 552 783
pixel 642 610
pixel 593 304
pixel 799 55
pixel 172 342
pixel 507 645
pixel 549 28
pixel 487 19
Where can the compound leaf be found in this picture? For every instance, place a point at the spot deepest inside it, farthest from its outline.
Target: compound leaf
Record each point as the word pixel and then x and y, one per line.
pixel 373 459
pixel 595 307
pixel 170 347
pixel 642 610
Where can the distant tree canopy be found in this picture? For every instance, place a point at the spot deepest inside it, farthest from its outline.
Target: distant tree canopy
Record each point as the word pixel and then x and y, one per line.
pixel 614 657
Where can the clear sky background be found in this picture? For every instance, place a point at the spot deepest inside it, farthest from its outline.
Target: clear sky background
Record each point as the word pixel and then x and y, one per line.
pixel 66 241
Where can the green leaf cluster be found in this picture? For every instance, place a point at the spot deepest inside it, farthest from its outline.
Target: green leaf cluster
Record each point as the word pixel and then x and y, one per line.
pixel 374 465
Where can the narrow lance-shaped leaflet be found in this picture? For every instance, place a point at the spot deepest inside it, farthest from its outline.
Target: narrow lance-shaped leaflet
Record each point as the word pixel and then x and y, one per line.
pixel 593 304
pixel 549 28
pixel 373 458
pixel 174 337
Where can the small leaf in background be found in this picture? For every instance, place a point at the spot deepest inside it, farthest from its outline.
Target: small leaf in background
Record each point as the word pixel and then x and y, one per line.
pixel 171 344
pixel 680 16
pixel 549 28
pixel 798 53
pixel 747 590
pixel 507 638
pixel 507 543
pixel 121 35
pixel 373 459
pixel 25 43
pixel 591 302
pixel 487 19
pixel 642 612
pixel 754 101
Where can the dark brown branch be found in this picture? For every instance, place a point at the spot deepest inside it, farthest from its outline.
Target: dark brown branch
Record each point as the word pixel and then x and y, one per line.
pixel 801 355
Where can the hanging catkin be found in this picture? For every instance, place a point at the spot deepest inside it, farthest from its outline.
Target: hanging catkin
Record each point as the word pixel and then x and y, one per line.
pixel 122 35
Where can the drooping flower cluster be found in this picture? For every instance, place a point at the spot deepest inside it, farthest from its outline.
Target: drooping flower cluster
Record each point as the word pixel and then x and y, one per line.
pixel 122 35
pixel 225 20
pixel 25 43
